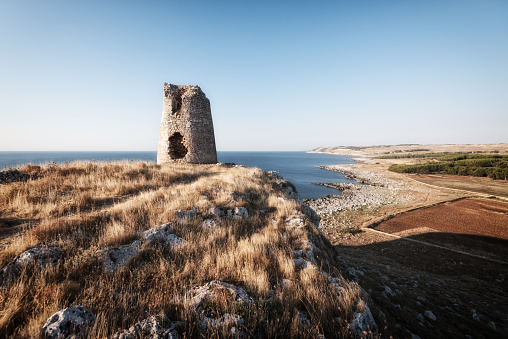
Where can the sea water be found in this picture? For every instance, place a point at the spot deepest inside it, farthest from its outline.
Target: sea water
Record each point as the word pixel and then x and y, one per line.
pixel 297 167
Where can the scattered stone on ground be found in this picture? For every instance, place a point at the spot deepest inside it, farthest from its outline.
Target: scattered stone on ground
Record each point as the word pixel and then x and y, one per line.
pixel 362 324
pixel 158 326
pixel 210 224
pixel 240 213
pixel 217 212
pixel 73 322
pixel 376 191
pixel 114 258
pixel 164 234
pixel 186 215
pixel 41 255
pixel 208 294
pixel 285 185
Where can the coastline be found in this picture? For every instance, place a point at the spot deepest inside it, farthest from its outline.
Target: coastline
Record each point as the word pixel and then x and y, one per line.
pixel 420 276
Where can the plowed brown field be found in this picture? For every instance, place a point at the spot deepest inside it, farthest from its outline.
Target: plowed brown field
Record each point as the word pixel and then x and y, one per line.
pixel 480 217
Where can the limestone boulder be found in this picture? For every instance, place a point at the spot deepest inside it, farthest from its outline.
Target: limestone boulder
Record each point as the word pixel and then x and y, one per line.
pixel 114 258
pixel 73 322
pixel 363 324
pixel 210 223
pixel 155 327
pixel 200 297
pixel 39 256
pixel 164 234
pixel 217 212
pixel 240 213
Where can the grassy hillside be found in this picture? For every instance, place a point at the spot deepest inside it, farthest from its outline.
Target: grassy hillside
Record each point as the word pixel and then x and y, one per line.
pixel 83 208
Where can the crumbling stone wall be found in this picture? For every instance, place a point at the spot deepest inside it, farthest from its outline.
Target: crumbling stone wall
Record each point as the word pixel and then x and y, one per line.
pixel 186 133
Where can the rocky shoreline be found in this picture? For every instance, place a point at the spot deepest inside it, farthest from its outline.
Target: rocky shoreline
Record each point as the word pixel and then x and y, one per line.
pixel 376 190
pixel 373 190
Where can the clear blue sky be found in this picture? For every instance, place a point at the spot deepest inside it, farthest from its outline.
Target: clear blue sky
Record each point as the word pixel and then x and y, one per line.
pixel 280 75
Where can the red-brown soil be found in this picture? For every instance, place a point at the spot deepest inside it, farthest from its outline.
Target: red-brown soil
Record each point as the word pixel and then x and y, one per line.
pixel 467 216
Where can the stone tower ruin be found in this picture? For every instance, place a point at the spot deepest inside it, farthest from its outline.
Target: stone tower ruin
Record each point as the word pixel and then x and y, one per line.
pixel 186 128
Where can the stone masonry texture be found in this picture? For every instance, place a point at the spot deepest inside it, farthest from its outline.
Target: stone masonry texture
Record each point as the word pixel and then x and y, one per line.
pixel 186 133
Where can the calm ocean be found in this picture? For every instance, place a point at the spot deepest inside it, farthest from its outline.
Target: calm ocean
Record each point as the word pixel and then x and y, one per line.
pixel 297 167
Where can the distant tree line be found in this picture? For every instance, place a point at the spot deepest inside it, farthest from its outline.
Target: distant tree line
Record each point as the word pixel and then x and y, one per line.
pixel 479 165
pixel 442 156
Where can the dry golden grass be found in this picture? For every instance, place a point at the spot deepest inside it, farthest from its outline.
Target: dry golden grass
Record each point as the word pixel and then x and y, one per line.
pixel 83 207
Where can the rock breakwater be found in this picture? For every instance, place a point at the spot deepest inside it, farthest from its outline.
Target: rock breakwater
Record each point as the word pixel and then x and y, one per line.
pixel 376 190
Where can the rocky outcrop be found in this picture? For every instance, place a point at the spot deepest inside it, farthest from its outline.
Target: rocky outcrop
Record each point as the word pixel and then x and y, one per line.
pixel 285 186
pixel 363 324
pixel 201 298
pixel 363 176
pixel 164 234
pixel 39 256
pixel 70 323
pixel 376 190
pixel 114 258
pixel 155 327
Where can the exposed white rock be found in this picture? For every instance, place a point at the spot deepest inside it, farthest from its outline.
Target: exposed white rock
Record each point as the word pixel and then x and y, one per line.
pixel 286 283
pixel 156 327
pixel 210 223
pixel 41 255
pixel 185 215
pixel 72 322
pixel 208 293
pixel 363 324
pixel 157 232
pixel 225 321
pixel 283 184
pixel 295 221
pixel 217 212
pixel 474 315
pixel 240 213
pixel 274 174
pixel 429 314
pixel 114 258
pixel 164 234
